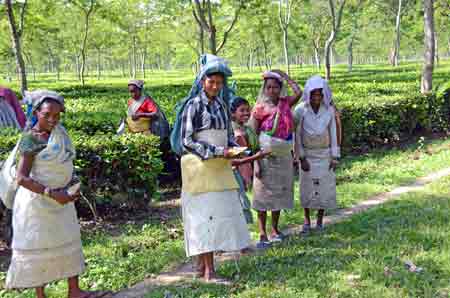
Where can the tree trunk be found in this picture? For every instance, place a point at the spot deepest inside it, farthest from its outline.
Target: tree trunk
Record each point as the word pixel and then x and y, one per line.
pixel 122 67
pixel 336 23
pixel 436 48
pixel 78 66
pixel 350 55
pixel 448 45
pixel 285 48
pixel 83 49
pixel 327 56
pixel 427 72
pixel 396 54
pixel 16 42
pixel 266 58
pixel 284 20
pixel 204 17
pixel 317 57
pixel 144 60
pixel 130 66
pixel 201 37
pixel 57 68
pixel 87 14
pixel 134 56
pixel 99 72
pixel 29 59
pixel 212 40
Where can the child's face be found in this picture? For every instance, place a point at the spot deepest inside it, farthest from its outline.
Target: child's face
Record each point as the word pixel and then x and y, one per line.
pixel 242 114
pixel 316 97
pixel 48 115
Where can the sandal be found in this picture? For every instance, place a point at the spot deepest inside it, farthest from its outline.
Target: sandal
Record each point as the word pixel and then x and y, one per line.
pixel 263 244
pixel 306 229
pixel 320 228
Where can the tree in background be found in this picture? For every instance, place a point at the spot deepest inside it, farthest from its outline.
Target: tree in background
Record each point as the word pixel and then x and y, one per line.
pixel 87 9
pixel 16 36
pixel 336 17
pixel 426 85
pixel 284 17
pixel 203 14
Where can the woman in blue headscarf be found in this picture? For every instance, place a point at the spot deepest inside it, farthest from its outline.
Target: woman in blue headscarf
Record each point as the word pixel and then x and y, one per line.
pixel 212 214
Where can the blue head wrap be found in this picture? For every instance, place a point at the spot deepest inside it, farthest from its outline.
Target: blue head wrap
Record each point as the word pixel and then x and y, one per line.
pixel 209 64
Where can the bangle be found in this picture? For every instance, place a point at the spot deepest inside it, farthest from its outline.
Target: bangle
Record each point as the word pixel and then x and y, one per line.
pixel 47 191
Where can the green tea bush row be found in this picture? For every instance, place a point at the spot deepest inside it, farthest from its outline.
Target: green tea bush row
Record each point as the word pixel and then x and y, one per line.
pixel 109 165
pixel 370 123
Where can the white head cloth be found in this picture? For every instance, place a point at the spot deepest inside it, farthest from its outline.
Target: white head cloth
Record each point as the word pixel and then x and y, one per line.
pixel 262 98
pixel 137 83
pixel 37 97
pixel 317 82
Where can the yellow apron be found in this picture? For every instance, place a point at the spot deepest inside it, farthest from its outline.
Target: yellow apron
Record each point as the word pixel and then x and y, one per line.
pixel 211 175
pixel 140 125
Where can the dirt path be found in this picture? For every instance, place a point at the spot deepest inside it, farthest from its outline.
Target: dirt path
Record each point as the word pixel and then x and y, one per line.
pixel 185 272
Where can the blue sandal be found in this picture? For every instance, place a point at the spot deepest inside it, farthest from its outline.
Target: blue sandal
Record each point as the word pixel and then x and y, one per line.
pixel 306 229
pixel 320 228
pixel 263 244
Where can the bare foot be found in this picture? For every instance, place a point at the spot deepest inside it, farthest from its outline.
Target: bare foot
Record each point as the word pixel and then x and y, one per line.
pixel 200 271
pixel 211 277
pixel 209 274
pixel 246 251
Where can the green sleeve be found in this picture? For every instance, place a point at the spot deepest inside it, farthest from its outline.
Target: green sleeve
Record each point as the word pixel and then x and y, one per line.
pixel 30 144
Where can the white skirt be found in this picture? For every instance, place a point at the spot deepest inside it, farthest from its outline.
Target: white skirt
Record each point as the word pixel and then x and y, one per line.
pixel 213 221
pixel 318 185
pixel 37 267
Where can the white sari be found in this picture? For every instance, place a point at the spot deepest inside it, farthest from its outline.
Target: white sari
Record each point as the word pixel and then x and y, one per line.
pixel 46 243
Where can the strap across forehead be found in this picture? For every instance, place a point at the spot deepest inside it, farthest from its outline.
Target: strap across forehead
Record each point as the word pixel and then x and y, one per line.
pixel 38 97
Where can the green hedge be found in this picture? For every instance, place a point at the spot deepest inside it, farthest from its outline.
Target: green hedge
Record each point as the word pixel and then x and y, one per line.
pixel 369 124
pixel 109 165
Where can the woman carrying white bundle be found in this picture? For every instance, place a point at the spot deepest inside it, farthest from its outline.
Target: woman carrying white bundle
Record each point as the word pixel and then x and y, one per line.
pixel 317 146
pixel 46 242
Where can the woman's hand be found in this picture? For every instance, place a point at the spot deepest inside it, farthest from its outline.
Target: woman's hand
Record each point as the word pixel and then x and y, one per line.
pixel 262 153
pixel 63 198
pixel 227 153
pixel 305 165
pixel 258 170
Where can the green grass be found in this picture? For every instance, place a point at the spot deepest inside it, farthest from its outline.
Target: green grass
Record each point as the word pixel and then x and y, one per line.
pixel 126 256
pixel 362 257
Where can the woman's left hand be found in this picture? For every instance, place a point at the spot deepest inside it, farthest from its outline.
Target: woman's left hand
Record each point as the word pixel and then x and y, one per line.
pixel 333 164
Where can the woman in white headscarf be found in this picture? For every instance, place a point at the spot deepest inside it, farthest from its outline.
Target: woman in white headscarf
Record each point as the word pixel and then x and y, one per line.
pixel 46 244
pixel 317 146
